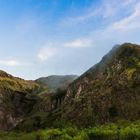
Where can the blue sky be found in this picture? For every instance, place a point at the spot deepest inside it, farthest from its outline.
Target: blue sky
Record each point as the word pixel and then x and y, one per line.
pixel 47 37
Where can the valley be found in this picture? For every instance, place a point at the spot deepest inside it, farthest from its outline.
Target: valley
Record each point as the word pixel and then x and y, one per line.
pixel 101 104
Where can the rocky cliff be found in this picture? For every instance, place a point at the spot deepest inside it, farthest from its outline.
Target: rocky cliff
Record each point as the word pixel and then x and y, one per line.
pixel 16 99
pixel 108 91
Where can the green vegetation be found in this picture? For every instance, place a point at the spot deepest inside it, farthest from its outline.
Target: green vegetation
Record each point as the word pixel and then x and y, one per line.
pixel 17 84
pixel 125 131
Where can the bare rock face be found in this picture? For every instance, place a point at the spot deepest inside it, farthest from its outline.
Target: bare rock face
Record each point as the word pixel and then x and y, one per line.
pixel 108 91
pixel 13 107
pixel 16 100
pixel 7 121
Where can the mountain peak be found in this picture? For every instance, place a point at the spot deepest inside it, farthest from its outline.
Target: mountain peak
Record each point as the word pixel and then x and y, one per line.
pixel 128 49
pixel 4 74
pixel 118 52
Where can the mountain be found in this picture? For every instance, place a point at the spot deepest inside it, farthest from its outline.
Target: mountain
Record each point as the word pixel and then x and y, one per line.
pixel 108 91
pixel 16 99
pixel 55 82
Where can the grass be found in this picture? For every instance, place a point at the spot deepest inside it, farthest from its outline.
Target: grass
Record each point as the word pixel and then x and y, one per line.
pixel 120 131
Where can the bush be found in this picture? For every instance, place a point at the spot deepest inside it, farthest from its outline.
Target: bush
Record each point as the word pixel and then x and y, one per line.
pixel 103 133
pixel 130 133
pixel 52 134
pixel 81 136
pixel 120 131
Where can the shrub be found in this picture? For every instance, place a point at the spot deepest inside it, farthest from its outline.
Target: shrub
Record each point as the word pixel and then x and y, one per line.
pixel 98 134
pixel 130 133
pixel 82 135
pixel 120 131
pixel 52 134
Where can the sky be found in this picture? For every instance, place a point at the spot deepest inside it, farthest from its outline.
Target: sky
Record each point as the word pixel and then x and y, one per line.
pixel 58 37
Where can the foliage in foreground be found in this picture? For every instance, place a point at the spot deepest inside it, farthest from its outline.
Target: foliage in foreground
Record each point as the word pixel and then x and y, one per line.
pixel 125 131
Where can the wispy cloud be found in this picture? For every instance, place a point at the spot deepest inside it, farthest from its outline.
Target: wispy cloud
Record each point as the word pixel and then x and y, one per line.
pixel 108 9
pixel 78 19
pixel 46 52
pixel 111 8
pixel 130 22
pixel 11 63
pixel 78 43
pixel 118 31
pixel 119 28
pixel 83 31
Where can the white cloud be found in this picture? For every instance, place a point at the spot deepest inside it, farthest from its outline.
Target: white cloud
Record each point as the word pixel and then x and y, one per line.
pixel 130 22
pixel 11 63
pixel 108 9
pixel 123 30
pixel 78 43
pixel 128 2
pixel 46 52
pixel 113 8
pixel 78 19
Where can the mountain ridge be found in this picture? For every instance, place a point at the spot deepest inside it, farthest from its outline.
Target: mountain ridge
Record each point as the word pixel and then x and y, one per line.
pixel 97 90
pixel 108 92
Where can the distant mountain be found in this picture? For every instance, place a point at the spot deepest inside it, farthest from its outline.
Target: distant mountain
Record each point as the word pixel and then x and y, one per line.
pixel 16 99
pixel 55 82
pixel 108 91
